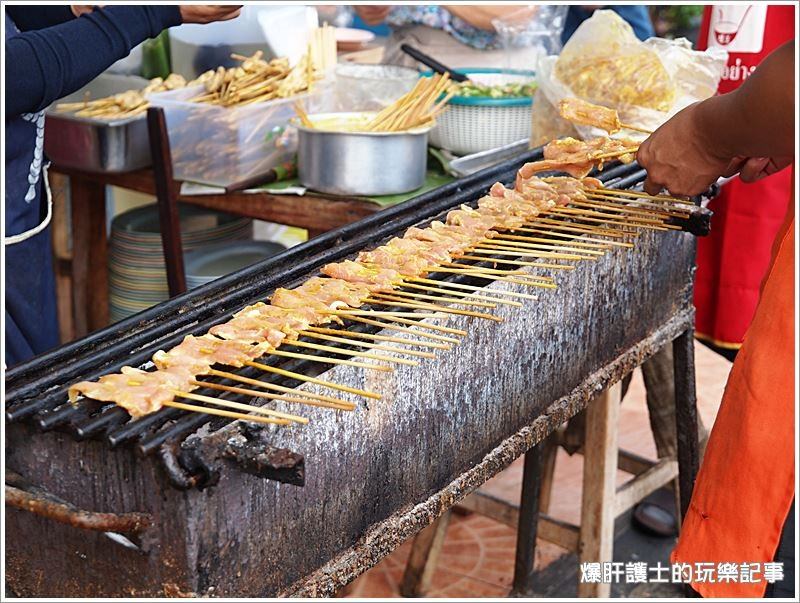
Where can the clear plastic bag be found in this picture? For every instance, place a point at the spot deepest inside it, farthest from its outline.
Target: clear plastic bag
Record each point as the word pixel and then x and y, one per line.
pixel 530 33
pixel 604 63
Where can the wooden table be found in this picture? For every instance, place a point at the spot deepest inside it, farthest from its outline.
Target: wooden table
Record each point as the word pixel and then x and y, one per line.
pixel 89 265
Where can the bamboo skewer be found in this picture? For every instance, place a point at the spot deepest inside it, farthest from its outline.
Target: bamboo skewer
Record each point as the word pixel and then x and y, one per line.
pixel 507 279
pixel 585 254
pixel 447 300
pixel 226 413
pixel 616 223
pixel 265 395
pixel 487 270
pixel 390 327
pixel 600 202
pixel 413 109
pixel 426 325
pixel 498 250
pixel 301 113
pixel 475 288
pixel 403 340
pixel 390 300
pixel 559 246
pixel 643 195
pixel 300 377
pixel 499 261
pixel 366 355
pixel 609 204
pixel 518 273
pixel 341 405
pixel 575 243
pixel 367 344
pixel 618 201
pixel 613 218
pixel 612 154
pixel 349 313
pixel 239 406
pixel 572 236
pixel 495 300
pixel 540 254
pixel 327 360
pixel 605 230
pixel 279 388
pixel 557 225
pixel 258 394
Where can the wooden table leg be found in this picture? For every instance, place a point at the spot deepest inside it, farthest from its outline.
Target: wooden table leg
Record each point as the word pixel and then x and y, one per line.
pixel 528 523
pixel 424 556
pixel 601 449
pixel 166 195
pixel 89 255
pixel 686 416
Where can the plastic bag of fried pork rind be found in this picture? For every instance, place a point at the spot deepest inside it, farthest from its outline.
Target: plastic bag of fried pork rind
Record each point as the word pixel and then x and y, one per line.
pixel 606 64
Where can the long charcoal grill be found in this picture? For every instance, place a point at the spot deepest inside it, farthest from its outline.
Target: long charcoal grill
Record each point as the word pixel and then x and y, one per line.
pixel 187 508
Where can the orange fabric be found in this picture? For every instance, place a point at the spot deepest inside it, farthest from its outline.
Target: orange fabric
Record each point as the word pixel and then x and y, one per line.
pixel 745 486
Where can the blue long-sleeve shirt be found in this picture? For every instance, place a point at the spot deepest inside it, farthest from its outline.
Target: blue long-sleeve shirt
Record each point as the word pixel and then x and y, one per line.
pixel 55 54
pixel 49 54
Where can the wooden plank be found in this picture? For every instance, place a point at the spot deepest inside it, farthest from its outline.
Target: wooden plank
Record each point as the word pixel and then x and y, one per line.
pixel 312 211
pixel 550 452
pixel 686 416
pixel 636 489
pixel 599 486
pixel 62 256
pixel 424 557
pixel 632 463
pixel 553 530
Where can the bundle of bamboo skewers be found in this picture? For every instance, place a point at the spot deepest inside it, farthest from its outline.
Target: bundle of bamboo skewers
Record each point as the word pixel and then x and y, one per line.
pixel 257 80
pixel 416 108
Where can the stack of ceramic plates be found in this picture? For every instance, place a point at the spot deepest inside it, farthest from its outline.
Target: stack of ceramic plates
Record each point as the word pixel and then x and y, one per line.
pixel 206 263
pixel 137 275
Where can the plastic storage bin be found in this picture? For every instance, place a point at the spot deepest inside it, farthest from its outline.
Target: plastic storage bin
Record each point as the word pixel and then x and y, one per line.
pixel 220 146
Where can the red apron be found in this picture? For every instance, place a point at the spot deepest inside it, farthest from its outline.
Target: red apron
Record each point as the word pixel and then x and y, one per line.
pixel 732 261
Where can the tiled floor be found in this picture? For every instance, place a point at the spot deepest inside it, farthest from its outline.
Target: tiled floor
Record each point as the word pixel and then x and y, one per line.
pixel 477 558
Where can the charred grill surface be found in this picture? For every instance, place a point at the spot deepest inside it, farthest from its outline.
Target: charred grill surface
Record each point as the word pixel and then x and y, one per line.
pixel 371 477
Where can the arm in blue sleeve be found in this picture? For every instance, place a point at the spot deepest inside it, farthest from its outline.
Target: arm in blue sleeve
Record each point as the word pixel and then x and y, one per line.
pixel 44 65
pixel 27 18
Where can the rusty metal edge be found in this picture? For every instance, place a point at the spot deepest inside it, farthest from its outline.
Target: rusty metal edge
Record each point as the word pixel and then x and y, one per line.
pixel 386 536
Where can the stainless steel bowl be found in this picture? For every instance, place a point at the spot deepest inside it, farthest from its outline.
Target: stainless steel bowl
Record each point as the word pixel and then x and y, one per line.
pixel 361 163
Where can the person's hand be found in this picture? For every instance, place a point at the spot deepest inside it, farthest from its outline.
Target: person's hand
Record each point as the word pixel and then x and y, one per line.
pixel 677 157
pixel 82 9
pixel 373 14
pixel 756 168
pixel 208 13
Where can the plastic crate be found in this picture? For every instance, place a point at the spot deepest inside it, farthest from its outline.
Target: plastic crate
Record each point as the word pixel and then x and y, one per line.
pixel 219 146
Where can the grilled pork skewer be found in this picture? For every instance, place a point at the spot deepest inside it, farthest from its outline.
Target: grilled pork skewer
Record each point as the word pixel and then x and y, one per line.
pixel 581 112
pixel 261 328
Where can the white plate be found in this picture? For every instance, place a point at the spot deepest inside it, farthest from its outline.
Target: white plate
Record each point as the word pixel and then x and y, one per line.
pixel 349 38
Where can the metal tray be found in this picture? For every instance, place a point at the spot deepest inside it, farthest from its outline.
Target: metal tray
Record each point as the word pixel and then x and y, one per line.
pixel 97 145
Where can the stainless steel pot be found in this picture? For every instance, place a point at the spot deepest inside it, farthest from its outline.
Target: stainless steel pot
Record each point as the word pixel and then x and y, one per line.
pixel 361 163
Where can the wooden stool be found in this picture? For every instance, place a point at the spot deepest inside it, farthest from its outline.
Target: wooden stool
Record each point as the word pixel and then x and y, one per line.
pixel 602 503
